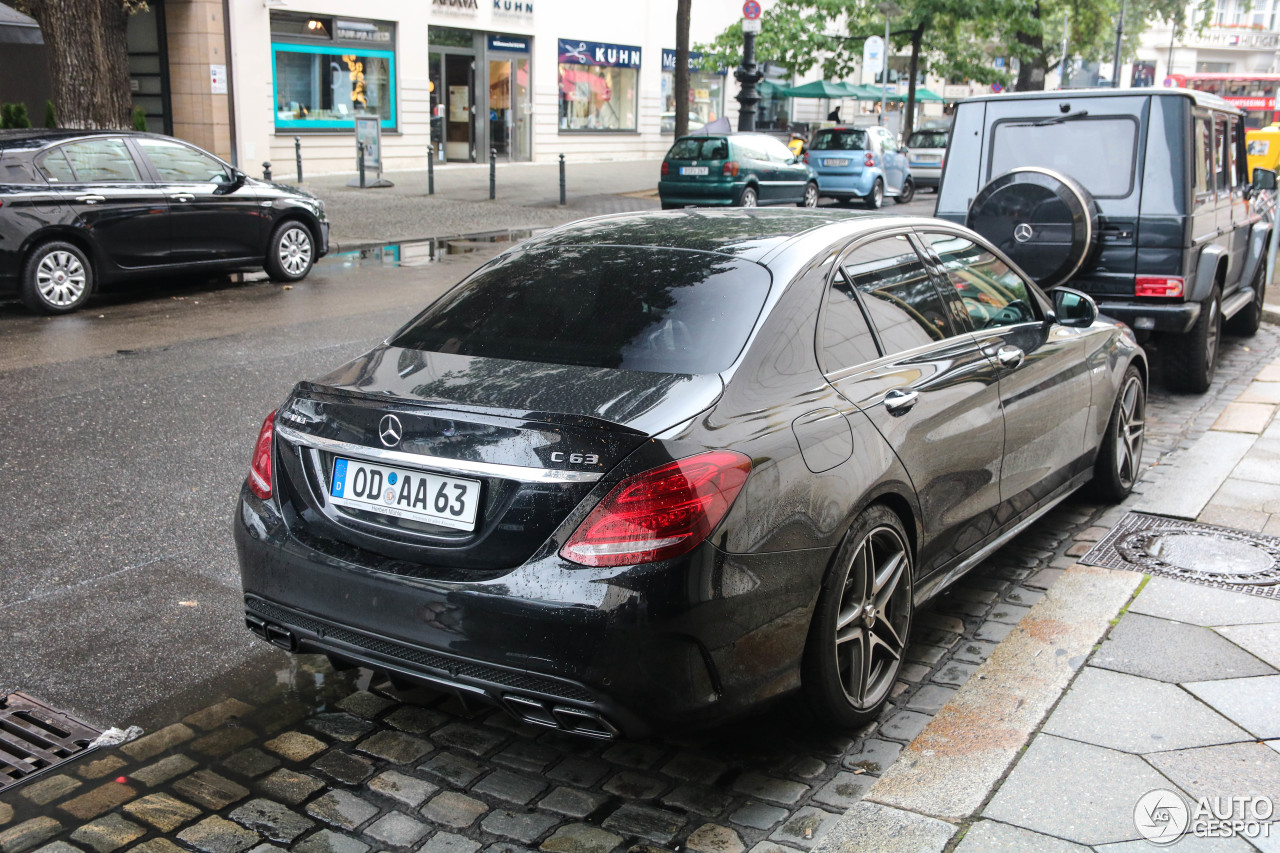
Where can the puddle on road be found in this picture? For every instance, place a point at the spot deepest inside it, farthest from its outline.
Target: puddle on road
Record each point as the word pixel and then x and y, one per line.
pixel 415 253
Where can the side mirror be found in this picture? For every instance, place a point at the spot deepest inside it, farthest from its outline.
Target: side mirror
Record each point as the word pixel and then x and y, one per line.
pixel 1264 179
pixel 1073 309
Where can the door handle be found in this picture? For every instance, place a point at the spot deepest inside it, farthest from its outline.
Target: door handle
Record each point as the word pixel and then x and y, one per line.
pixel 899 401
pixel 91 199
pixel 183 197
pixel 1009 356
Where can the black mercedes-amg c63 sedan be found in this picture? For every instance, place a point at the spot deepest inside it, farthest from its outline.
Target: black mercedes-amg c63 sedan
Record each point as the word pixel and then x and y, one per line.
pixel 654 470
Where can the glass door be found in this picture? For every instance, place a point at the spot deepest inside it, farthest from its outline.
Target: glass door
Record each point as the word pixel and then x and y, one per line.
pixel 436 61
pixel 459 138
pixel 524 112
pixel 501 115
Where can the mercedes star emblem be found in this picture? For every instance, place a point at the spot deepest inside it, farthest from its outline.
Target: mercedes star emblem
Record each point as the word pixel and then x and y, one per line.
pixel 1023 232
pixel 390 430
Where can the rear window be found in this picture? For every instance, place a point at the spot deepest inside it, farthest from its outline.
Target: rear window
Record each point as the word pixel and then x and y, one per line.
pixel 654 310
pixel 927 139
pixel 839 140
pixel 1098 152
pixel 699 148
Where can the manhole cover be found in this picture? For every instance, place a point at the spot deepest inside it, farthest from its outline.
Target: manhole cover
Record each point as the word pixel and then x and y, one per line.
pixel 1189 551
pixel 35 737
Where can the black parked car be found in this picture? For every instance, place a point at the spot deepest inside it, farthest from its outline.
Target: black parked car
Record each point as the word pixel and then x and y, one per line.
pixel 655 470
pixel 1140 197
pixel 82 208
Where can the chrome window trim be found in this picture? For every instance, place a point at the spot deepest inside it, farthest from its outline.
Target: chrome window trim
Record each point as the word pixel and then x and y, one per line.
pixel 523 473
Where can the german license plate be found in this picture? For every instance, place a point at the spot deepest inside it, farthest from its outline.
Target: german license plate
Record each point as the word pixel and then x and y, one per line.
pixel 402 493
pixel 929 158
pixel 835 161
pixel 694 170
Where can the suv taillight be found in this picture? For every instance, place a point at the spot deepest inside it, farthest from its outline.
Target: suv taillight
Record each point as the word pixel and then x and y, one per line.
pixel 731 168
pixel 1157 285
pixel 665 168
pixel 661 513
pixel 260 467
pixel 869 160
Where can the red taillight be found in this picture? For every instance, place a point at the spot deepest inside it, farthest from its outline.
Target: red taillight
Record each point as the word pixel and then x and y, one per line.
pixel 660 513
pixel 666 170
pixel 731 168
pixel 1157 285
pixel 806 156
pixel 869 160
pixel 260 467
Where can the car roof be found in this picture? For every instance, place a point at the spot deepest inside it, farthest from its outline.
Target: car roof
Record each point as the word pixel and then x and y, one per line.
pixel 1202 99
pixel 751 234
pixel 33 137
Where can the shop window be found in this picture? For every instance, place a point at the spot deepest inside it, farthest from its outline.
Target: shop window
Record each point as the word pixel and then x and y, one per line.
pixel 598 86
pixel 706 93
pixel 327 71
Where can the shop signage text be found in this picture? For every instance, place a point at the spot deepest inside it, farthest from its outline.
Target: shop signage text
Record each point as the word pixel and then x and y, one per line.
pixel 458 5
pixel 510 44
pixel 598 53
pixel 513 7
pixel 359 31
pixel 669 60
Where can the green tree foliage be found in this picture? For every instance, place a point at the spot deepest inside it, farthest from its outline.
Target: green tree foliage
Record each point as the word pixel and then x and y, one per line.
pixel 139 118
pixel 50 117
pixel 14 116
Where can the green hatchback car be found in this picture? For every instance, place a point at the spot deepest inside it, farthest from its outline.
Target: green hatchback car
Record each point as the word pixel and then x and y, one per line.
pixel 742 169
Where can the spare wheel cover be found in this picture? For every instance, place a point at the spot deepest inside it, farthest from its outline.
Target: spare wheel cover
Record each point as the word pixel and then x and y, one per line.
pixel 1045 221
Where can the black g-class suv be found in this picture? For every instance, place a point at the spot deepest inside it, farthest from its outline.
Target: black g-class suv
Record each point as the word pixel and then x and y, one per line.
pixel 1139 197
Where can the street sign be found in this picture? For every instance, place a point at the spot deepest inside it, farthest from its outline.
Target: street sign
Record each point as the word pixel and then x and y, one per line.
pixel 751 25
pixel 751 10
pixel 873 55
pixel 1169 82
pixel 997 88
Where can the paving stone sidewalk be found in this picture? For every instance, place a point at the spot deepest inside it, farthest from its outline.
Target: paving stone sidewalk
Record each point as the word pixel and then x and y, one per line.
pixel 1166 686
pixel 326 761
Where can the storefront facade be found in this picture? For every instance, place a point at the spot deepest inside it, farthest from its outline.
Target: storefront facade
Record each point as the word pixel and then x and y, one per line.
pixel 455 79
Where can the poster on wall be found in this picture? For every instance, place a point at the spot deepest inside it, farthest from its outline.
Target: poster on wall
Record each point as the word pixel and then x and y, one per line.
pixel 459 103
pixel 218 79
pixel 369 137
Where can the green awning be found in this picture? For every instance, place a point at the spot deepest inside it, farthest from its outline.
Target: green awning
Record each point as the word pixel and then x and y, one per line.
pixel 819 89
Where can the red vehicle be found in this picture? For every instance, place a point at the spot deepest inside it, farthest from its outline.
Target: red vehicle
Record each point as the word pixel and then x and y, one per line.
pixel 1254 94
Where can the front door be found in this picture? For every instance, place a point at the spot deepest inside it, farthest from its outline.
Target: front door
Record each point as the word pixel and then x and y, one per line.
pixel 459 124
pixel 211 218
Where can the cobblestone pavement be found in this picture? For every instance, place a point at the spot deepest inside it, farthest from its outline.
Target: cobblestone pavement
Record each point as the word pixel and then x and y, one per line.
pixel 327 761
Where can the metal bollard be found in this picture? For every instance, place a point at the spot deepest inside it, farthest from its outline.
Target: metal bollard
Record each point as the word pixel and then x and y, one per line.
pixel 297 153
pixel 562 201
pixel 266 170
pixel 431 168
pixel 493 173
pixel 360 162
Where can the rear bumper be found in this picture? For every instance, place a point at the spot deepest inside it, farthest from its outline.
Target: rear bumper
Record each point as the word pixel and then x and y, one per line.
pixel 700 193
pixel 847 186
pixel 597 652
pixel 926 176
pixel 1176 319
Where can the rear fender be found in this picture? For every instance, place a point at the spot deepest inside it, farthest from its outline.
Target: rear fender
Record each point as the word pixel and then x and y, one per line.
pixel 1212 258
pixel 1259 234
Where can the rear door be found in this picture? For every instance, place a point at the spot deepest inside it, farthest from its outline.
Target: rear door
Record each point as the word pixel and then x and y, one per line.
pixel 753 160
pixel 933 394
pixel 789 175
pixel 122 209
pixel 1045 388
pixel 211 218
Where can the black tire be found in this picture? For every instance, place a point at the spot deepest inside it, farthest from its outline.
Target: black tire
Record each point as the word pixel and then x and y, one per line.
pixel 875 198
pixel 291 252
pixel 1119 462
pixel 666 205
pixel 57 278
pixel 875 549
pixel 1247 322
pixel 810 196
pixel 1047 222
pixel 1192 359
pixel 908 192
pixel 748 198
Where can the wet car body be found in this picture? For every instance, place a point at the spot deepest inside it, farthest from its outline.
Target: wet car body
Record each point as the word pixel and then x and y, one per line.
pixel 500 614
pixel 139 221
pixel 860 163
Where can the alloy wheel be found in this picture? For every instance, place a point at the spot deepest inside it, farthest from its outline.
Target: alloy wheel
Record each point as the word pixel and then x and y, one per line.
pixel 1130 428
pixel 60 278
pixel 873 618
pixel 748 197
pixel 295 250
pixel 1212 334
pixel 810 196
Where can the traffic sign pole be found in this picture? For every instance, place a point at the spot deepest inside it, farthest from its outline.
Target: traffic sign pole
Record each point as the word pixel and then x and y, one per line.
pixel 747 74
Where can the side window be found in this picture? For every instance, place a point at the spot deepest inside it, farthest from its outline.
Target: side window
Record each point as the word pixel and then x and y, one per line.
pixel 55 168
pixel 1204 155
pixel 101 160
pixel 748 149
pixel 992 293
pixel 888 142
pixel 898 291
pixel 846 337
pixel 778 152
pixel 1229 154
pixel 176 162
pixel 1221 160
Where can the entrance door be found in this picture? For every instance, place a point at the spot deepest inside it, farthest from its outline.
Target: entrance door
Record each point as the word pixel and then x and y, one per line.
pixel 459 133
pixel 501 114
pixel 524 111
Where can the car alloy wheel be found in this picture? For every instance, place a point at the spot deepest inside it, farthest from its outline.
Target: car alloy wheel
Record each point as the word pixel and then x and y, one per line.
pixel 875 198
pixel 294 250
pixel 1119 462
pixel 810 195
pixel 61 279
pixel 748 198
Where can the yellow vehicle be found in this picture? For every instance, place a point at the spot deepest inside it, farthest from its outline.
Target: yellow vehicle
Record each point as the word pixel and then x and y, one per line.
pixel 1263 147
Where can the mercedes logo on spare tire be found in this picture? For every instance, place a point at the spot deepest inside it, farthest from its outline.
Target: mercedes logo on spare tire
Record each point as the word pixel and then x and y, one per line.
pixel 1044 220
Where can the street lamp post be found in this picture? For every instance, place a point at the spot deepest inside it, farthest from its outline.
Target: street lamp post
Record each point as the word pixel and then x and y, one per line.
pixel 889 10
pixel 747 75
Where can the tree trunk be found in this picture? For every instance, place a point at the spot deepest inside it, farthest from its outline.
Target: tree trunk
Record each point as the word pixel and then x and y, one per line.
pixel 1031 72
pixel 909 118
pixel 88 60
pixel 683 9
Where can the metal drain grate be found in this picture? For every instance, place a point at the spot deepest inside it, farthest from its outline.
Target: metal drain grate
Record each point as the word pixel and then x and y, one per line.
pixel 1220 557
pixel 35 737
